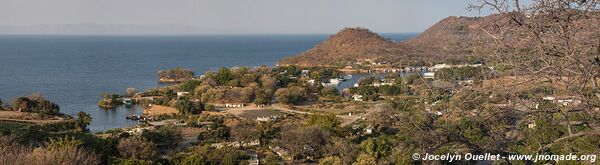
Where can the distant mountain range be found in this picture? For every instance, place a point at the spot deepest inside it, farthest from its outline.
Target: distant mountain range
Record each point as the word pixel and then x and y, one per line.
pixel 102 29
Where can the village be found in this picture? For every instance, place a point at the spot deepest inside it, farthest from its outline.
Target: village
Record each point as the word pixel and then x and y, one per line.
pixel 317 94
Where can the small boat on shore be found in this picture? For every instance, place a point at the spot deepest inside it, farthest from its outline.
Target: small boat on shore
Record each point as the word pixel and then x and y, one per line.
pixel 348 77
pixel 133 117
pixel 128 101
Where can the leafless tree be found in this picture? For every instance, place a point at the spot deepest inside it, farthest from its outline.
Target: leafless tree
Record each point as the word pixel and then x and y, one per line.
pixel 554 42
pixel 244 133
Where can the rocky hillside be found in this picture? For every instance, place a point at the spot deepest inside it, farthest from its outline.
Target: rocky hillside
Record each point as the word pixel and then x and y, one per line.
pixel 348 45
pixel 451 38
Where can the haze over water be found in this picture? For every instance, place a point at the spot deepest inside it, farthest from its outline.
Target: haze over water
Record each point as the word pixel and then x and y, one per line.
pixel 74 70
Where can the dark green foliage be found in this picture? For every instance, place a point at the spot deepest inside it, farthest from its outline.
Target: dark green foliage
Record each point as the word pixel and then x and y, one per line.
pixel 189 86
pixel 376 147
pixel 209 155
pixel 326 122
pixel 223 76
pixel 329 91
pixel 369 93
pixel 188 107
pixel 368 81
pixel 164 137
pixel 216 132
pixel 109 100
pixel 82 121
pixel 209 107
pixel 36 104
pixel 388 90
pixel 263 96
pixel 176 74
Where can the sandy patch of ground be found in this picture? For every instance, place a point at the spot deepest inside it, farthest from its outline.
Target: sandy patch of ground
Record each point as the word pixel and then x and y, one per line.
pixel 27 117
pixel 159 110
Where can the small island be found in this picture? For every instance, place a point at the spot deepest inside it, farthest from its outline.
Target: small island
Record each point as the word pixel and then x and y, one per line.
pixel 175 75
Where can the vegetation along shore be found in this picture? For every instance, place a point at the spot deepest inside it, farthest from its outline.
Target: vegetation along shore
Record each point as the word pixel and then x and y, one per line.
pixel 515 82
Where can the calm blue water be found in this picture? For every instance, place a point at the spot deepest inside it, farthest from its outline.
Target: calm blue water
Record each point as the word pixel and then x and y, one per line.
pixel 74 70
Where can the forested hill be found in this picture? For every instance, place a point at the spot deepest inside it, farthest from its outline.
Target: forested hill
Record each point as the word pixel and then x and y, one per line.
pixel 451 38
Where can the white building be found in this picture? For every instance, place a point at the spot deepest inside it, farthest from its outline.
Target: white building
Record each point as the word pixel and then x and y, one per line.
pixel 357 97
pixel 234 105
pixel 334 81
pixel 182 94
pixel 305 72
pixel 429 75
pixel 440 66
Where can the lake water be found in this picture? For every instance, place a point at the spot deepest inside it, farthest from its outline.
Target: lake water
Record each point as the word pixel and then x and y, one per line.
pixel 74 70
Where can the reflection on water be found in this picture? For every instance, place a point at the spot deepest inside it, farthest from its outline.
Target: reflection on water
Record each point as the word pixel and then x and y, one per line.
pixel 355 77
pixel 115 117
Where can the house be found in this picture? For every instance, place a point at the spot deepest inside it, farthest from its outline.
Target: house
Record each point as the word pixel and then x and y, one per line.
pixel 378 84
pixel 182 94
pixel 334 81
pixel 357 97
pixel 139 130
pixel 284 154
pixel 563 100
pixel 439 66
pixel 236 144
pixel 368 130
pixel 263 119
pixel 531 125
pixel 167 122
pixel 429 75
pixel 465 82
pixel 234 105
pixel 305 72
pixel 567 101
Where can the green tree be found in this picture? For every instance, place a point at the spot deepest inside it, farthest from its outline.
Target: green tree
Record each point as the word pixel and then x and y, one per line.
pixel 331 160
pixel 272 159
pixel 365 159
pixel 376 147
pixel 64 142
pixel 83 120
pixel 329 91
pixel 223 76
pixel 176 74
pixel 164 137
pixel 189 86
pixel 263 96
pixel 326 122
pixel 188 107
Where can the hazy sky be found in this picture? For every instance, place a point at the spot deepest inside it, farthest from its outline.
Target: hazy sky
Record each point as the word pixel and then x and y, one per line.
pixel 236 16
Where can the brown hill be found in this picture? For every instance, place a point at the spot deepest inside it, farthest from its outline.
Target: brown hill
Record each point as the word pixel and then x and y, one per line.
pixel 451 38
pixel 348 45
